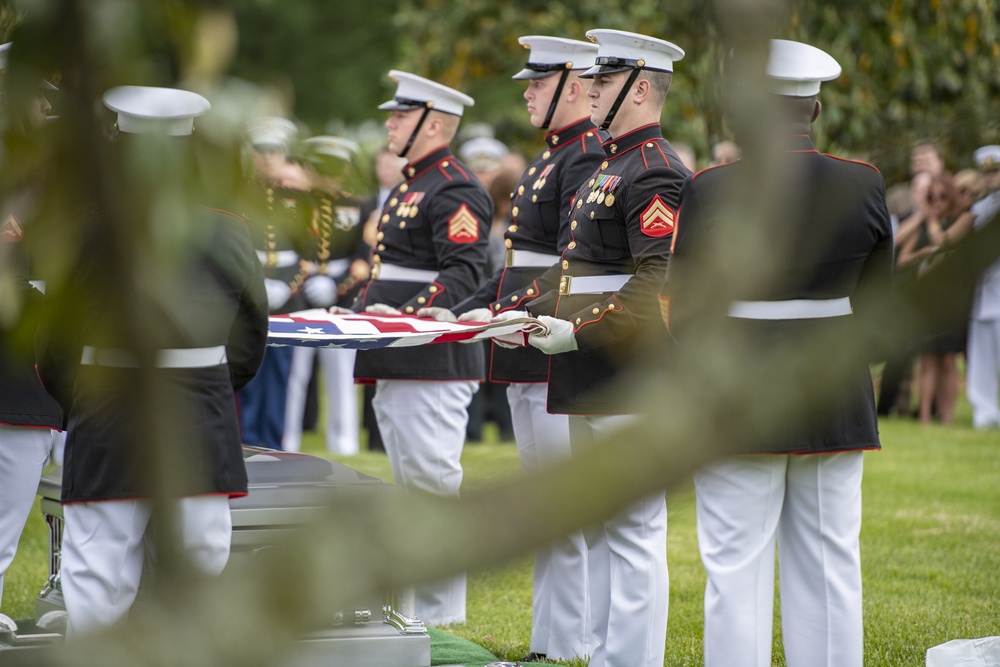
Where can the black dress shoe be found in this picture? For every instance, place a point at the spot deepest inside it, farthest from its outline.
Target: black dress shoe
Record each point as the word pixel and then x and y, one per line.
pixel 533 657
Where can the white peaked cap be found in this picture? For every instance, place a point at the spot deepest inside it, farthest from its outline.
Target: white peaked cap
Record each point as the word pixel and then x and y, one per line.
pixel 416 92
pixel 483 153
pixel 551 55
pixel 5 60
pixel 327 146
pixel 987 157
pixel 149 110
pixel 618 51
pixel 797 69
pixel 271 132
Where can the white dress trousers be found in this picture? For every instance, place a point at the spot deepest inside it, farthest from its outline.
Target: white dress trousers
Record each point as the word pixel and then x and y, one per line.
pixel 423 428
pixel 342 427
pixel 810 506
pixel 983 372
pixel 560 623
pixel 104 548
pixel 23 453
pixel 627 564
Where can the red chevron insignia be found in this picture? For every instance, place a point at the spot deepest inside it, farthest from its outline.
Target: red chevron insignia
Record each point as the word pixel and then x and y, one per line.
pixel 11 231
pixel 463 226
pixel 657 220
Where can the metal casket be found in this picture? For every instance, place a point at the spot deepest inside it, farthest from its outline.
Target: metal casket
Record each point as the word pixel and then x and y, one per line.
pixel 284 488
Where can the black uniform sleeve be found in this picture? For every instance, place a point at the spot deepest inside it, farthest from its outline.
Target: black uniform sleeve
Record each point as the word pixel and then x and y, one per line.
pixel 875 280
pixel 248 333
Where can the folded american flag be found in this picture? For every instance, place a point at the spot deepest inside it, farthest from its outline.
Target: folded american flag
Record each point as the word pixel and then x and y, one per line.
pixel 367 331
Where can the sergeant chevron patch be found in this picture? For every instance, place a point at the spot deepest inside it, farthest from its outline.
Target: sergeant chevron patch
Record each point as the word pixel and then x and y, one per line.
pixel 11 231
pixel 657 220
pixel 463 226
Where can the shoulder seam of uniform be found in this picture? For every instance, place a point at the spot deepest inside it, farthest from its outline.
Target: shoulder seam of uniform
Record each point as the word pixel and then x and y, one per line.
pixel 709 168
pixel 224 212
pixel 847 159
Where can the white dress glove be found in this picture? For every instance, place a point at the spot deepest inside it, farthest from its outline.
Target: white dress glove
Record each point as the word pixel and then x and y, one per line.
pixel 560 337
pixel 476 315
pixel 320 291
pixel 382 309
pixel 278 293
pixel 511 341
pixel 340 310
pixel 435 313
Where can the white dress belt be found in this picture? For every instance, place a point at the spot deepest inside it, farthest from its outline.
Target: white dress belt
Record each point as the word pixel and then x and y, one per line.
pixel 517 258
pixel 570 285
pixel 383 271
pixel 337 267
pixel 193 357
pixel 282 258
pixel 793 309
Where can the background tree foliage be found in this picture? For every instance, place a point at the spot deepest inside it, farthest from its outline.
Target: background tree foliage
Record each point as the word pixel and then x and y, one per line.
pixel 912 68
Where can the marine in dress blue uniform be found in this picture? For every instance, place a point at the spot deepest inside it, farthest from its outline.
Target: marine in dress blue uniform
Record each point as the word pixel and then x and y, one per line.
pixel 28 415
pixel 803 493
pixel 278 227
pixel 431 251
pixel 209 341
pixel 604 317
pixel 537 235
pixel 337 265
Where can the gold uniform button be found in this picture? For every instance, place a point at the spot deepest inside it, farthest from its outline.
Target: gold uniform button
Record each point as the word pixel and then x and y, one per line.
pixel 649 145
pixel 381 247
pixel 534 198
pixel 508 243
pixel 444 164
pixel 432 289
pixel 579 203
pixel 604 165
pixel 376 259
pixel 591 216
pixel 513 299
pixel 611 306
pixel 385 218
pixel 421 299
pixel 402 225
pixel 572 244
pixel 572 225
pixel 614 148
pixel 520 189
pixel 595 311
pixel 380 236
pixel 531 172
pixel 555 139
pixel 496 307
pixel 565 264
pixel 409 309
pixel 404 187
pixel 546 155
pixel 515 211
pixel 530 292
pixel 394 201
pixel 578 320
pixel 512 229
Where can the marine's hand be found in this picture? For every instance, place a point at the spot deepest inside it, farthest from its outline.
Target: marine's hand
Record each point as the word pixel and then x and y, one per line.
pixel 559 339
pixel 435 313
pixel 476 315
pixel 382 309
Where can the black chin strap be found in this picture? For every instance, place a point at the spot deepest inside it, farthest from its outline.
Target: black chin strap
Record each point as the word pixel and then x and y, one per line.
pixel 413 135
pixel 555 99
pixel 621 97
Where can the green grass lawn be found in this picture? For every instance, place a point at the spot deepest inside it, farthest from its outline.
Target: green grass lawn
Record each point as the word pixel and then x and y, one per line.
pixel 930 550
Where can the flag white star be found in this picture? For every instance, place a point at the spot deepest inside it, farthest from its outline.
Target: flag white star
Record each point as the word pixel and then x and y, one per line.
pixel 311 330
